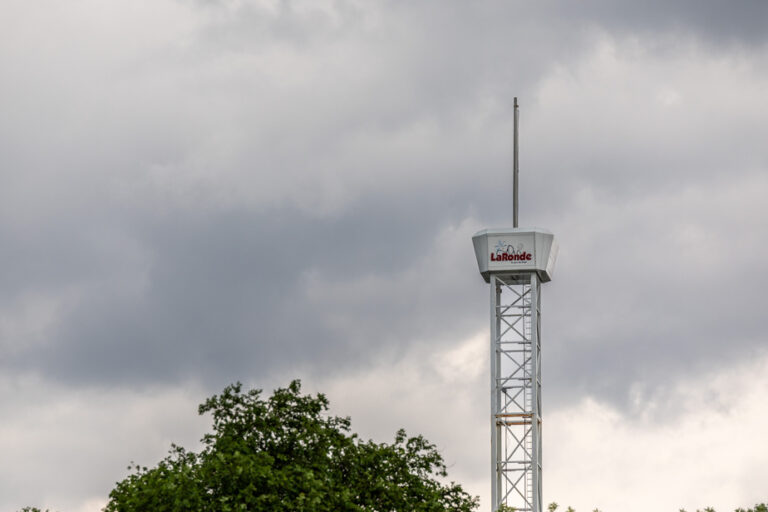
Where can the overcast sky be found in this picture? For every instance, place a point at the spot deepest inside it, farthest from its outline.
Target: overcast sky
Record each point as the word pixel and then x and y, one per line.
pixel 194 192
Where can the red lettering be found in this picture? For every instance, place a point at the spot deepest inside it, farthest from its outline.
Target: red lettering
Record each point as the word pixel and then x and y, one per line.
pixel 523 256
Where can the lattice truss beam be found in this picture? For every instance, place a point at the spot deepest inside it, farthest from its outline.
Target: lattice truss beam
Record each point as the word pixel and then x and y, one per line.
pixel 516 392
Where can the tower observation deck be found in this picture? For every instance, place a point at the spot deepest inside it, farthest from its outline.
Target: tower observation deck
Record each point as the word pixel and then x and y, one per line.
pixel 515 262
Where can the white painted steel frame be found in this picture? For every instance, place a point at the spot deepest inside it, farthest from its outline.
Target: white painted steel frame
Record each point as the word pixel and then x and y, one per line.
pixel 516 392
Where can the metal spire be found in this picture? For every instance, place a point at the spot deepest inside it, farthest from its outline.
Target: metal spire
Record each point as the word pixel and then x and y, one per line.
pixel 515 168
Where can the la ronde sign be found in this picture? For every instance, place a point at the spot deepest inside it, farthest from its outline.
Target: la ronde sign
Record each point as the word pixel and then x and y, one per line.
pixel 505 256
pixel 515 250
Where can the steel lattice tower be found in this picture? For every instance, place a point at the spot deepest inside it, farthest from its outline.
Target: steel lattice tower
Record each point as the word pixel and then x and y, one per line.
pixel 516 392
pixel 515 262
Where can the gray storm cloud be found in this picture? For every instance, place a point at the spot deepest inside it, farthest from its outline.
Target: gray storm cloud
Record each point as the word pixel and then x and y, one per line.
pixel 200 191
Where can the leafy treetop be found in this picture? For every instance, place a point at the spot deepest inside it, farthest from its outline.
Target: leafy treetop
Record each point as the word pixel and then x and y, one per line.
pixel 286 454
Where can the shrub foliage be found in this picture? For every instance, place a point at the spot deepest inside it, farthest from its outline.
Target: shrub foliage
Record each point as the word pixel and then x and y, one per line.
pixel 285 453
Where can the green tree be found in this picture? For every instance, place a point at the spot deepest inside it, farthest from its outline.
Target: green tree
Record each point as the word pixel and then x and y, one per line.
pixel 760 507
pixel 285 453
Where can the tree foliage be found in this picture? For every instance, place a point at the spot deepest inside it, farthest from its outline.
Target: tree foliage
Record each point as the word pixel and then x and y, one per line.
pixel 285 453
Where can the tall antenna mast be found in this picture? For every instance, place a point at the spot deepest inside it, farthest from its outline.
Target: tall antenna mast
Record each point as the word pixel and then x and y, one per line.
pixel 515 168
pixel 515 262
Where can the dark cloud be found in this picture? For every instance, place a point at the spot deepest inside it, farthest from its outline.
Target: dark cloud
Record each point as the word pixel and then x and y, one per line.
pixel 267 188
pixel 712 21
pixel 225 296
pixel 206 191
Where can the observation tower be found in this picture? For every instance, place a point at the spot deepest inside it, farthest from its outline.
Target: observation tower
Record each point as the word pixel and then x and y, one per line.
pixel 515 261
